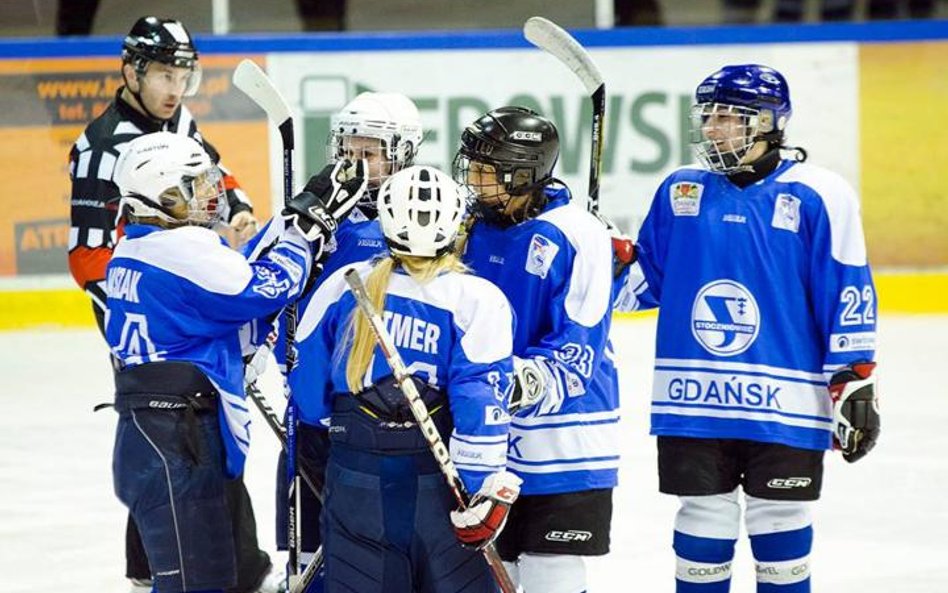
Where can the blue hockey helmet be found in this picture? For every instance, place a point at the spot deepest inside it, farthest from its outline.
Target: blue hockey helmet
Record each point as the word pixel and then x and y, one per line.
pixel 759 95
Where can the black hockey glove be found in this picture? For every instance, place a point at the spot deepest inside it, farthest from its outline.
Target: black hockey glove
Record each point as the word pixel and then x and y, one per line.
pixel 855 410
pixel 327 199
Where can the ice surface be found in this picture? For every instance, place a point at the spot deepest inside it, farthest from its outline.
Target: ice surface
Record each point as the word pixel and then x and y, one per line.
pixel 881 527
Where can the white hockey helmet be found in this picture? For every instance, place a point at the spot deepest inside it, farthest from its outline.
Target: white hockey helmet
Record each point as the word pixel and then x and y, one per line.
pixel 420 210
pixel 390 118
pixel 170 180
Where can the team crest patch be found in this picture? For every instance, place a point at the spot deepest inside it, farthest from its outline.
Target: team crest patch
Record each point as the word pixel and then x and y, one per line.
pixel 686 198
pixel 541 255
pixel 786 213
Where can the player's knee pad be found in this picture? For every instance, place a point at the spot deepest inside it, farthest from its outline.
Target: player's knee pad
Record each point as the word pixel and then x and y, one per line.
pixel 706 529
pixel 716 516
pixel 781 537
pixel 542 573
pixel 770 516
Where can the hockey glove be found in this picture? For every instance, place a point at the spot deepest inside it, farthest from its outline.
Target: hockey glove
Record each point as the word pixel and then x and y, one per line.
pixel 327 199
pixel 623 254
pixel 855 410
pixel 529 384
pixel 623 248
pixel 484 518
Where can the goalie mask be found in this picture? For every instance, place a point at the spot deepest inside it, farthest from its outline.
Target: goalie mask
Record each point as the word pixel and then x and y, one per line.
pixel 420 210
pixel 169 180
pixel 735 108
pixel 510 151
pixel 383 128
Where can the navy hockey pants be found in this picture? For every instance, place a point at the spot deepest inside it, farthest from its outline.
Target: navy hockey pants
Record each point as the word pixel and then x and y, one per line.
pixel 386 528
pixel 385 524
pixel 174 487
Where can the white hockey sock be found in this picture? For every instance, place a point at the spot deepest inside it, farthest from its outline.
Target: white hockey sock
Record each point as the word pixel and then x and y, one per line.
pixel 540 573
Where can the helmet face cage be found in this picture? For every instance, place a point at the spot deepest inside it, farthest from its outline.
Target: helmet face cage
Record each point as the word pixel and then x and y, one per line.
pixel 722 134
pixel 206 197
pixel 488 187
pixel 193 201
pixel 420 211
pixel 381 153
pixel 383 128
pixel 497 171
pixel 197 200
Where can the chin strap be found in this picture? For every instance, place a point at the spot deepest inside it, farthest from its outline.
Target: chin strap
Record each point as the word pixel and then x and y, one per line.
pixel 138 96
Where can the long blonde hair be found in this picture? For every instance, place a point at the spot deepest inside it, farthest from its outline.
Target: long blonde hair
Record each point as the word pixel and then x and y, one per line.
pixel 359 334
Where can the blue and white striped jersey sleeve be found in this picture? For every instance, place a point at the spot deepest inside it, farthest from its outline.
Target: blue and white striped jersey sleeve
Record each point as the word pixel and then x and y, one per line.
pixel 578 331
pixel 478 382
pixel 239 290
pixel 842 292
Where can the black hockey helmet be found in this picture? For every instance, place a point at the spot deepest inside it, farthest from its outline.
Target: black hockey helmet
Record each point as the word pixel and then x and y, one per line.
pixel 519 143
pixel 159 40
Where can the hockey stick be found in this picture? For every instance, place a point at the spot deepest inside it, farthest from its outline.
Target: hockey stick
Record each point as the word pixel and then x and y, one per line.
pixel 308 473
pixel 553 39
pixel 425 423
pixel 249 78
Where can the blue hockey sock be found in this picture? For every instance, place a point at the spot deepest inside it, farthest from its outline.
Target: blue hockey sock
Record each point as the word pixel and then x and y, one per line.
pixel 704 564
pixel 783 560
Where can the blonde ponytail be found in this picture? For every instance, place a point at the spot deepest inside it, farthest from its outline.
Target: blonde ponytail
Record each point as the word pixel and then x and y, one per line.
pixel 359 333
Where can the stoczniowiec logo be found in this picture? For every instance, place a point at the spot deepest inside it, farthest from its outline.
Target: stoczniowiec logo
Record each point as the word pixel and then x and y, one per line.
pixel 725 318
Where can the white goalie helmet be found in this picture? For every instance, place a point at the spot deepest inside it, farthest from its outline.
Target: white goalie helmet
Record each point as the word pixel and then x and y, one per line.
pixel 384 128
pixel 420 210
pixel 169 180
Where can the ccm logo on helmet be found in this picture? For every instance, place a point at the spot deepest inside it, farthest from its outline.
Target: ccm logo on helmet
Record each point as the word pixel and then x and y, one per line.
pixel 568 536
pixel 786 483
pixel 528 136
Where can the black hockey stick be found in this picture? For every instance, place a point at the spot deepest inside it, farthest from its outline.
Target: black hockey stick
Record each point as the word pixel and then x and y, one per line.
pixel 422 417
pixel 249 78
pixel 309 474
pixel 553 39
pixel 306 470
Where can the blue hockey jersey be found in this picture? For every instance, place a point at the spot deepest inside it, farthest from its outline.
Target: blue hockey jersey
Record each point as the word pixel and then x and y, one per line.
pixel 454 332
pixel 764 292
pixel 183 295
pixel 556 270
pixel 358 238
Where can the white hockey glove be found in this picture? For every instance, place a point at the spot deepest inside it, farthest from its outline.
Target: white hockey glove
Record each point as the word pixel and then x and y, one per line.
pixel 256 365
pixel 484 518
pixel 529 386
pixel 327 199
pixel 855 410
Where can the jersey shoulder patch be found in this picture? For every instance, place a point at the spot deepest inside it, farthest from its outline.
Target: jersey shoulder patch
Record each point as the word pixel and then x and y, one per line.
pixel 540 255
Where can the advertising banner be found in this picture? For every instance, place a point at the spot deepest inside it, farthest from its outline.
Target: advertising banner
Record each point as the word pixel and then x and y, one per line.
pixel 647 115
pixel 44 106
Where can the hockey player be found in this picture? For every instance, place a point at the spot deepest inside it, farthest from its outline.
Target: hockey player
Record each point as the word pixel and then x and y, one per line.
pixel 385 130
pixel 766 334
pixel 387 522
pixel 177 296
pixel 553 260
pixel 159 67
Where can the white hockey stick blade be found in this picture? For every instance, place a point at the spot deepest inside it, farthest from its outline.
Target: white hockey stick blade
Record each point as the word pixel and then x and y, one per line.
pixel 553 39
pixel 254 82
